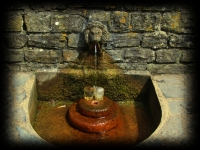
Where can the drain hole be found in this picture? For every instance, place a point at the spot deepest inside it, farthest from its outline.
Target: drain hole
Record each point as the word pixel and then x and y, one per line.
pixel 95 102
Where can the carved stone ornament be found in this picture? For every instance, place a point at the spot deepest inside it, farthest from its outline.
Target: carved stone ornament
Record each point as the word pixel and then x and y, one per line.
pixel 96 32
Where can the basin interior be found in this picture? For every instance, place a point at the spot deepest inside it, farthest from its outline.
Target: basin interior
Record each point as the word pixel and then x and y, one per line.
pixel 140 110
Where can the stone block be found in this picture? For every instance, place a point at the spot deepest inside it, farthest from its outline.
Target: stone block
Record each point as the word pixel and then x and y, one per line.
pixel 66 23
pixel 145 21
pixel 184 41
pixel 15 40
pixel 12 21
pixel 102 16
pixel 170 68
pixel 188 56
pixel 126 39
pixel 179 22
pixel 167 55
pixel 137 54
pixel 116 55
pixel 76 40
pixel 47 40
pixel 38 21
pixel 41 55
pixel 13 55
pixel 120 21
pixel 132 66
pixel 70 55
pixel 155 40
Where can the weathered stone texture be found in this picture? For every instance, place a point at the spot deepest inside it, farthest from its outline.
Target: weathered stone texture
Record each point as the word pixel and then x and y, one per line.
pixel 180 22
pixel 13 55
pixel 145 21
pixel 70 55
pixel 188 56
pixel 167 55
pixel 12 21
pixel 47 40
pixel 170 68
pixel 41 55
pixel 120 21
pixel 155 40
pixel 116 55
pixel 76 40
pixel 102 16
pixel 185 41
pixel 132 66
pixel 160 38
pixel 67 23
pixel 38 21
pixel 126 39
pixel 15 40
pixel 137 54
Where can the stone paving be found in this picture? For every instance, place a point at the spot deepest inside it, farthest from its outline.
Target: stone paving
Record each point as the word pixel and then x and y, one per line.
pixel 176 94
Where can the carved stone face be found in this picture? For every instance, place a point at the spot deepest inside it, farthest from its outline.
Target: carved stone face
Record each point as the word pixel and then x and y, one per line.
pixel 95 34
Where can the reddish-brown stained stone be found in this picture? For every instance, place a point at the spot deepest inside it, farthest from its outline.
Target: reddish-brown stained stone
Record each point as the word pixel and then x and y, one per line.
pixel 94 108
pixel 94 125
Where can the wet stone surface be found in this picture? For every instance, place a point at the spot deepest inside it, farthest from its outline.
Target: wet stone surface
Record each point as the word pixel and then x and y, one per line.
pixel 52 124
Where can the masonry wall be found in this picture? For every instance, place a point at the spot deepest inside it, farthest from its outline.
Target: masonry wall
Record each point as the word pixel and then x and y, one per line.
pixel 48 35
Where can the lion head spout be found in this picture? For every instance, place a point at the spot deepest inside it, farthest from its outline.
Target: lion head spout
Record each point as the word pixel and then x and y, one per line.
pixel 96 32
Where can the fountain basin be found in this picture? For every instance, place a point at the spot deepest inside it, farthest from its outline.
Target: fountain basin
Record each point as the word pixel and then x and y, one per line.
pixel 146 93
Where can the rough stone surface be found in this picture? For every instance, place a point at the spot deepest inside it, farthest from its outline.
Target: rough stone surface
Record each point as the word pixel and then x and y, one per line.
pixel 70 55
pixel 66 23
pixel 139 55
pixel 169 29
pixel 120 21
pixel 132 66
pixel 14 40
pixel 102 16
pixel 155 40
pixel 116 55
pixel 38 21
pixel 13 55
pixel 41 56
pixel 76 40
pixel 178 22
pixel 171 68
pixel 14 21
pixel 186 41
pixel 47 40
pixel 188 56
pixel 126 39
pixel 145 21
pixel 167 55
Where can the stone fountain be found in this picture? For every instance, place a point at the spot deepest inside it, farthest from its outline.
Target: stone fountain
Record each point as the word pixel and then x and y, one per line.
pixel 95 113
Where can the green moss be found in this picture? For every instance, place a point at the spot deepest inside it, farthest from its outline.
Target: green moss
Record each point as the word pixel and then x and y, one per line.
pixel 69 86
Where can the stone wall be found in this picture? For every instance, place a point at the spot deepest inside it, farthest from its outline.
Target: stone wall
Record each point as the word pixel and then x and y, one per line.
pixel 49 35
